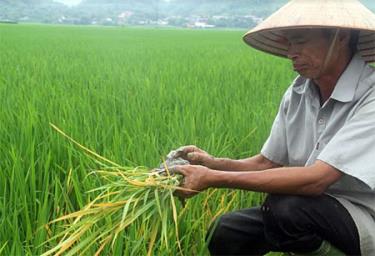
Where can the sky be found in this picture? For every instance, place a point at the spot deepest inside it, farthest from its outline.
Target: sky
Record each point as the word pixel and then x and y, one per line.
pixel 75 2
pixel 69 2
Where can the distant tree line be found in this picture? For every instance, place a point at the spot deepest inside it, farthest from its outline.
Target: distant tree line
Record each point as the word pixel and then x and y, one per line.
pixel 223 13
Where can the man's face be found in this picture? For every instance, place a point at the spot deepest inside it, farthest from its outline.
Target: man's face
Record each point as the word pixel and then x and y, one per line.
pixel 308 49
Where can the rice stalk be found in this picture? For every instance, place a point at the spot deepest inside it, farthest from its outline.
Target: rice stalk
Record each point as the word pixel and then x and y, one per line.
pixel 127 196
pixel 3 247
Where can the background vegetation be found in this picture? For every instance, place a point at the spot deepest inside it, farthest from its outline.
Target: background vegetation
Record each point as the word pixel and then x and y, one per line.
pixel 224 13
pixel 132 95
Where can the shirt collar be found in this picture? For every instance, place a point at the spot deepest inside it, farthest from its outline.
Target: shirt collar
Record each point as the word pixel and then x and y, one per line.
pixel 346 85
pixel 348 82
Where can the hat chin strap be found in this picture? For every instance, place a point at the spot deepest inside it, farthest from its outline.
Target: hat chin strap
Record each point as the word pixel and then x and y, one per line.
pixel 330 49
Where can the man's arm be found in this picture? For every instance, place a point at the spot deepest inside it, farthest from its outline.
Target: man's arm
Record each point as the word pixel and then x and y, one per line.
pixel 312 180
pixel 255 163
pixel 198 156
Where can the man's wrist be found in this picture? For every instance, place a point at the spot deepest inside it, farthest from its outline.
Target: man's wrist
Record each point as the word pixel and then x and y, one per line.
pixel 219 164
pixel 213 178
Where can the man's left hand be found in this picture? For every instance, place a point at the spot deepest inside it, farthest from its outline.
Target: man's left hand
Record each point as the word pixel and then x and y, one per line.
pixel 196 179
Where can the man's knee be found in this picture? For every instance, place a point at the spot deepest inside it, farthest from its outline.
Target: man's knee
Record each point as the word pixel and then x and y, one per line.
pixel 287 223
pixel 283 208
pixel 238 233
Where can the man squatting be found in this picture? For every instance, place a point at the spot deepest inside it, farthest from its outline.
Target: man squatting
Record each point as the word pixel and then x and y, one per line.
pixel 318 164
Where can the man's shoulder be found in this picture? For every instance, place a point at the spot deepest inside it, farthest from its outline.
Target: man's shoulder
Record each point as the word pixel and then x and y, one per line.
pixel 295 90
pixel 299 84
pixel 366 86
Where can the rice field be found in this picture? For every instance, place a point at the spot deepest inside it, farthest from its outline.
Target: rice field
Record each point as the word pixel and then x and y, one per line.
pixel 132 95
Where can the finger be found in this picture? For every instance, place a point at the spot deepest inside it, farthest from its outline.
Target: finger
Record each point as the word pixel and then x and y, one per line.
pixel 187 149
pixel 196 157
pixel 184 194
pixel 177 169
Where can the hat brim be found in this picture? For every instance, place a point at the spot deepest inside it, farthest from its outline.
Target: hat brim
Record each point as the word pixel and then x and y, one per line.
pixel 272 40
pixel 317 14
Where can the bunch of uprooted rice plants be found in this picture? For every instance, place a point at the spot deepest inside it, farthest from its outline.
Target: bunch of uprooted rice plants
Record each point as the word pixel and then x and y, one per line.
pixel 126 196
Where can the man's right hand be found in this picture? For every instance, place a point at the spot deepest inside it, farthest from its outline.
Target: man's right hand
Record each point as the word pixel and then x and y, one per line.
pixel 196 156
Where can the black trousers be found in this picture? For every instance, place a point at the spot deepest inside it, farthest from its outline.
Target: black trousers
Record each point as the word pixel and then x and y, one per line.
pixel 285 224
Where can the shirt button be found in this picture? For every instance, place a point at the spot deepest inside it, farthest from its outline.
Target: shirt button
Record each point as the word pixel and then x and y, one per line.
pixel 317 146
pixel 321 121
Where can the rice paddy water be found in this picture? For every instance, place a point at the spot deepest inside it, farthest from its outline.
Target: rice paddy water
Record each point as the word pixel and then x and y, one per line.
pixel 131 95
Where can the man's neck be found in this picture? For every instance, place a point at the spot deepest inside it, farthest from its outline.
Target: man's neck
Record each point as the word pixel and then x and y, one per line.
pixel 327 82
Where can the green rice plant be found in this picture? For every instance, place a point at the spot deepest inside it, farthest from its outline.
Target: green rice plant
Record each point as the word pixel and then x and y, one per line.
pixel 127 195
pixel 138 93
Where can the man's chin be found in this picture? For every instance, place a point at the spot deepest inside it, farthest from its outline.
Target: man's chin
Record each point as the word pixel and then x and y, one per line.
pixel 305 73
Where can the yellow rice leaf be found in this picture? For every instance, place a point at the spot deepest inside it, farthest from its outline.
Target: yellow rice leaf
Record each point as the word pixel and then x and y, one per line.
pixel 83 147
pixel 174 211
pixel 106 240
pixel 153 237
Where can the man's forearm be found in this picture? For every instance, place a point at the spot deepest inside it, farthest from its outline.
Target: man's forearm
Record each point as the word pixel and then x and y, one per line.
pixel 311 180
pixel 255 163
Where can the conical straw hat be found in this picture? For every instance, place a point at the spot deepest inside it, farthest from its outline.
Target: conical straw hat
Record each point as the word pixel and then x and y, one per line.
pixel 341 14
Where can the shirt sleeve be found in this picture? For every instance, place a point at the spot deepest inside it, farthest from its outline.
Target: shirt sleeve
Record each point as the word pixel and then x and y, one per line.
pixel 275 148
pixel 352 149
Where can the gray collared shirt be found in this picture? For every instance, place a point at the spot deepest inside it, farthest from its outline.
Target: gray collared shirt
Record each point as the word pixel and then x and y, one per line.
pixel 340 133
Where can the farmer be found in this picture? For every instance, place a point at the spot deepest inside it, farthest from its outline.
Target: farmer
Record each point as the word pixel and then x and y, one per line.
pixel 318 164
